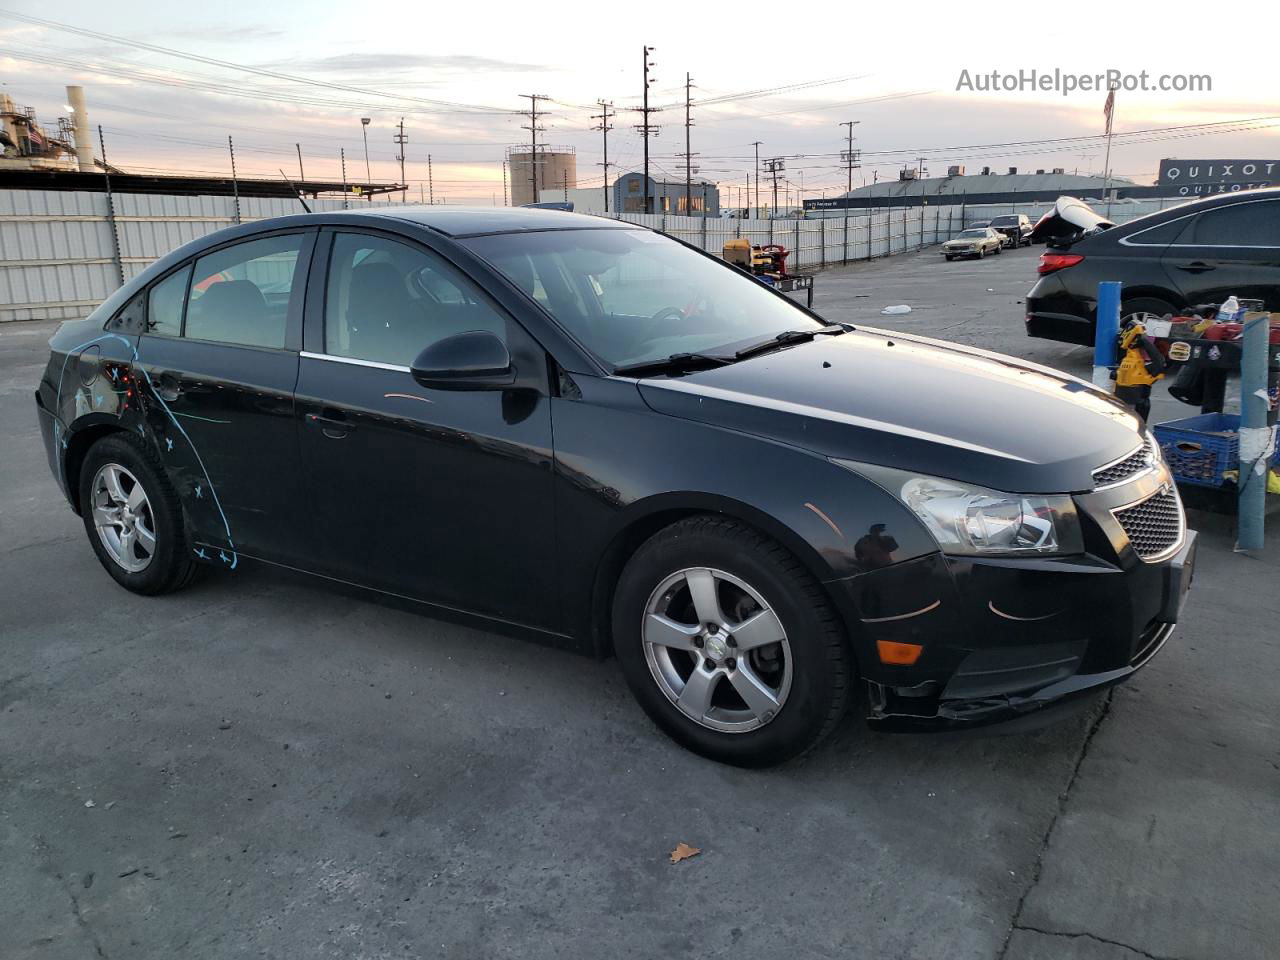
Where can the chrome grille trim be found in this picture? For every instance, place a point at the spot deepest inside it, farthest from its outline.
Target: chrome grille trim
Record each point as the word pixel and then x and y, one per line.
pixel 1155 525
pixel 1126 468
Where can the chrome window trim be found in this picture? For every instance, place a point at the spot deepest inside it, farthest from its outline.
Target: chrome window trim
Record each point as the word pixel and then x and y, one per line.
pixel 1126 242
pixel 353 361
pixel 1182 523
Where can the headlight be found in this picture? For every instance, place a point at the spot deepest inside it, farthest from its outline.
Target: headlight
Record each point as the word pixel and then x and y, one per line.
pixel 968 520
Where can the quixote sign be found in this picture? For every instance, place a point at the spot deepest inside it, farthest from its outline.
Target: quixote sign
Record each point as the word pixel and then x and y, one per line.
pixel 1193 178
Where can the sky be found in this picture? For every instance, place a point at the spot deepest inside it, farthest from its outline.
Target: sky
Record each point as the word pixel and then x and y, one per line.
pixel 456 71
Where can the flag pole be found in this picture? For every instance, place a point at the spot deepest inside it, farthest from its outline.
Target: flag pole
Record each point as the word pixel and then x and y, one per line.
pixel 1106 163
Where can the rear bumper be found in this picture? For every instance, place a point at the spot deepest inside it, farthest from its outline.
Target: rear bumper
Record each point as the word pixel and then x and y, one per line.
pixel 1055 314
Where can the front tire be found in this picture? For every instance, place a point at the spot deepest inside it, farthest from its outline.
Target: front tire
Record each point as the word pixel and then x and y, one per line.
pixel 133 517
pixel 999 249
pixel 730 646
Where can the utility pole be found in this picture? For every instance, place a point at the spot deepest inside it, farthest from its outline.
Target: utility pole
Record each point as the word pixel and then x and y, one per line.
pixel 688 155
pixel 851 160
pixel 401 140
pixel 757 200
pixel 534 130
pixel 301 176
pixel 368 177
pixel 647 129
pixel 604 127
pixel 773 167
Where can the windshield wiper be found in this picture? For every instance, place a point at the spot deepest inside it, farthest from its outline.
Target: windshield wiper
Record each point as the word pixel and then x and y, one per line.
pixel 785 338
pixel 675 363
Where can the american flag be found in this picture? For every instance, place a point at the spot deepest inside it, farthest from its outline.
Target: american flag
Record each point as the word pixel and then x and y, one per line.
pixel 1109 109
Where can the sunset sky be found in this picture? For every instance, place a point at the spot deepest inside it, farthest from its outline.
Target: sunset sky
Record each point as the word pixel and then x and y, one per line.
pixel 455 72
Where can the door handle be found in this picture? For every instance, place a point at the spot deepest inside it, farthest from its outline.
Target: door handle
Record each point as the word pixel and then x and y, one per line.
pixel 332 423
pixel 1196 266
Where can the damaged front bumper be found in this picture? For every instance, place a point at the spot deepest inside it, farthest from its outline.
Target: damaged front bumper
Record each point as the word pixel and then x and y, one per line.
pixel 1012 640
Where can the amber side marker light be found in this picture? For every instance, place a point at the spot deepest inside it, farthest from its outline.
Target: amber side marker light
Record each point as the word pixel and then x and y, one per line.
pixel 899 654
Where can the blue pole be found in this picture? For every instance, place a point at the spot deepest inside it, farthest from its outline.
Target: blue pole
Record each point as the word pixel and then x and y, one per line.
pixel 1106 331
pixel 1255 436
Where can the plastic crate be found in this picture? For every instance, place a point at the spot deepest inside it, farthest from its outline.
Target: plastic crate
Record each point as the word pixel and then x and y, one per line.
pixel 1201 449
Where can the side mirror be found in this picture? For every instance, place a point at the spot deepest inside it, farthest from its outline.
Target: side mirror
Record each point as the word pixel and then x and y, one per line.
pixel 477 360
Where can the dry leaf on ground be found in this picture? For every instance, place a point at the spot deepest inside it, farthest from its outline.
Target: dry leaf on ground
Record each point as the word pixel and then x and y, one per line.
pixel 683 852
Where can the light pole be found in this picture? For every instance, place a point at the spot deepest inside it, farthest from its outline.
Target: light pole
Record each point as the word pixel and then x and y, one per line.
pixel 368 177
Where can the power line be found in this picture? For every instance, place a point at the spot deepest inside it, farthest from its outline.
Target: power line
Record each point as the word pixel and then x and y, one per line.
pixel 228 65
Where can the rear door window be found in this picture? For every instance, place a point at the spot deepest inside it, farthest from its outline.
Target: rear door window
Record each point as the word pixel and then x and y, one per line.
pixel 240 294
pixel 1255 224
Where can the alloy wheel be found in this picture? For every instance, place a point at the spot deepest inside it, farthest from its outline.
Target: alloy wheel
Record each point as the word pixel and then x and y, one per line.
pixel 717 650
pixel 123 517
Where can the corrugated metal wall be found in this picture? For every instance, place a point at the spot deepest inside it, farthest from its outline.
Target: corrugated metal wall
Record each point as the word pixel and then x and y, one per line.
pixel 56 255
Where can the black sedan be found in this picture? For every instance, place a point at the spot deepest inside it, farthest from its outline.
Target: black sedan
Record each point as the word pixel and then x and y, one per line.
pixel 590 434
pixel 1196 253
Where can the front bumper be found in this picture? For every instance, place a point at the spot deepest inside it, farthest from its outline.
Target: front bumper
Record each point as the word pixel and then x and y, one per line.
pixel 1006 638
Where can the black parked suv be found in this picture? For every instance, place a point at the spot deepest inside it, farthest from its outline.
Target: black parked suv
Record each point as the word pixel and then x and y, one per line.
pixel 1015 227
pixel 1198 252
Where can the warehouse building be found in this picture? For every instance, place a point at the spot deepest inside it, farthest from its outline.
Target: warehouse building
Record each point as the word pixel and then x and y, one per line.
pixel 627 195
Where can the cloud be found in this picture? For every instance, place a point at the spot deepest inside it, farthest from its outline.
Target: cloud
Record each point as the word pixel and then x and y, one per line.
pixel 373 63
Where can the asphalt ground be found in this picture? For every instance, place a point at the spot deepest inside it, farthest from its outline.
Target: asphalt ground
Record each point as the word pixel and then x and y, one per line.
pixel 258 766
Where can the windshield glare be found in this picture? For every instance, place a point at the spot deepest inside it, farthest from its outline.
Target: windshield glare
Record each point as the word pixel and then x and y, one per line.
pixel 631 296
pixel 970 234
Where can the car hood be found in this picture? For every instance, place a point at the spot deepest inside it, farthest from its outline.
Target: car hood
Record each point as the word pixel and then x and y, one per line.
pixel 916 404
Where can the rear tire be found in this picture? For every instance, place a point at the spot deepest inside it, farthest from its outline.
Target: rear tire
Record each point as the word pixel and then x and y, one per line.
pixel 1139 306
pixel 687 676
pixel 133 516
pixel 999 249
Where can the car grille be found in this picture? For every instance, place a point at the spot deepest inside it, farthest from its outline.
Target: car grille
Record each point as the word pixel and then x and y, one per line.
pixel 1154 526
pixel 1122 470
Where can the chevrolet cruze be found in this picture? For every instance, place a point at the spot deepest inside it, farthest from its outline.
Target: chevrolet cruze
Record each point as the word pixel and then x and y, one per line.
pixel 593 435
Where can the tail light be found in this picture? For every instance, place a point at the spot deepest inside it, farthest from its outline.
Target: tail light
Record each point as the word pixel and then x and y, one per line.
pixel 1050 262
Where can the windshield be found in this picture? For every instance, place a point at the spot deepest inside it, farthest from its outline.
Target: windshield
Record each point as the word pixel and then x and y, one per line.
pixel 1004 221
pixel 973 234
pixel 631 296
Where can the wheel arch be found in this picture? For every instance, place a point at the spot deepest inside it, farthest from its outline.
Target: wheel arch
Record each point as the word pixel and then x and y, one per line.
pixel 648 517
pixel 78 446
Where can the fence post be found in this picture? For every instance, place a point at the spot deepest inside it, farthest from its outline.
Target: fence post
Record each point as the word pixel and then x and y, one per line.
pixel 1256 438
pixel 703 225
pixel 797 245
pixel 1106 331
pixel 822 234
pixel 111 210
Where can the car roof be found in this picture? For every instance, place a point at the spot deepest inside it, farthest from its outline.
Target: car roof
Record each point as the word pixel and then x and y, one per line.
pixel 472 221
